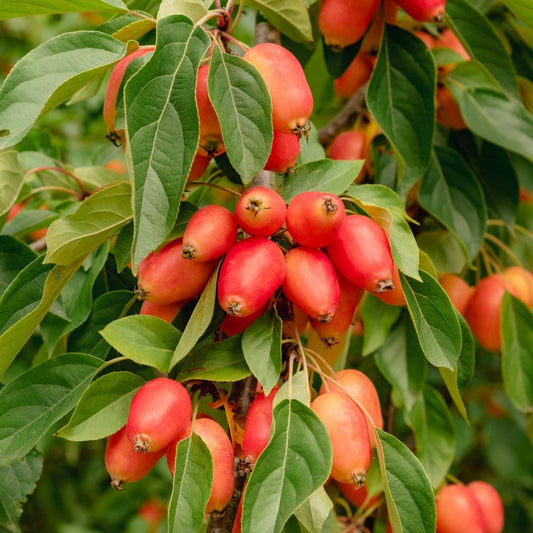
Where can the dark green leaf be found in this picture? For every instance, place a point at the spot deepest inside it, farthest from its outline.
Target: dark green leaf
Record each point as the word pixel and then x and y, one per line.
pixel 21 8
pixel 443 249
pixel 401 99
pixel 242 103
pixel 145 339
pixel 11 180
pixel 193 475
pixel 17 481
pixel 377 331
pixel 162 119
pixel 337 61
pixel 261 345
pixel 517 352
pixel 49 75
pixel 34 401
pixel 103 408
pixel 434 319
pixel 14 256
pixel 295 463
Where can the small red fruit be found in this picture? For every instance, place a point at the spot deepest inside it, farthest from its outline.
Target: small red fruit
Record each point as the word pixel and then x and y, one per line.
pixel 232 325
pixel 458 510
pixel 211 143
pixel 153 512
pixel 284 152
pixel 159 413
pixel 165 276
pixel 291 96
pixel 347 430
pixel 209 234
pixel 491 505
pixel 361 252
pixel 250 274
pixel 199 166
pixel 424 10
pixel 311 283
pixel 448 39
pixel 166 312
pixel 395 296
pixel 260 211
pixel 522 280
pixel 426 38
pixel 358 496
pixel 354 77
pixel 448 112
pixel 313 218
pixel 458 291
pixel 125 465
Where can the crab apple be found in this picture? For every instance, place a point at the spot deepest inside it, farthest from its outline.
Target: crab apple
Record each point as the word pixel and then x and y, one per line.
pixel 313 218
pixel 331 332
pixel 354 77
pixel 113 86
pixel 348 145
pixel 311 283
pixel 221 450
pixel 426 38
pixel 159 412
pixel 448 112
pixel 209 234
pixel 153 512
pixel 291 96
pixel 395 296
pixel 250 274
pixel 522 280
pixel 347 430
pixel 211 143
pixel 165 276
pixel 232 325
pixel 358 385
pixel 491 505
pixel 458 510
pixel 166 312
pixel 448 39
pixel 457 289
pixel 373 36
pixel 125 465
pixel 238 517
pixel 284 152
pixel 260 211
pixel 344 22
pixel 257 425
pixel 199 166
pixel 424 10
pixel 358 496
pixel 483 309
pixel 361 252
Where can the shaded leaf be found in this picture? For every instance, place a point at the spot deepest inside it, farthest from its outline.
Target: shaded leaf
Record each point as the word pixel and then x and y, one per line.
pixel 377 331
pixel 21 8
pixel 14 256
pixel 522 9
pixel 11 180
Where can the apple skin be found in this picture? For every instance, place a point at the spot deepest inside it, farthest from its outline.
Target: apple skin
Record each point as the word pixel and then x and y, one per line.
pixel 491 505
pixel 458 510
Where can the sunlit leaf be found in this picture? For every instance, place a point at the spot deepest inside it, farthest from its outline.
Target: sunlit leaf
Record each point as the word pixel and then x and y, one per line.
pixel 11 175
pixel 21 8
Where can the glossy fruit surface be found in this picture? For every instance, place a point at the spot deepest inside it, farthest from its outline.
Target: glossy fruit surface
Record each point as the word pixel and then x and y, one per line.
pixel 292 100
pixel 159 413
pixel 257 425
pixel 354 77
pixel 358 496
pixel 198 167
pixel 522 280
pixel 313 218
pixel 424 10
pixel 361 252
pixel 260 211
pixel 458 510
pixel 125 465
pixel 448 39
pixel 165 276
pixel 448 112
pixel 232 325
pixel 284 152
pixel 396 295
pixel 211 143
pixel 347 430
pixel 344 22
pixel 166 312
pixel 311 283
pixel 250 274
pixel 457 289
pixel 209 234
pixel 491 505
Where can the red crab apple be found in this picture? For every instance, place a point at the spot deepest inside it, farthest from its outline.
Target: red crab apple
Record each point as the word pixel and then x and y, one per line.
pixel 424 10
pixel 458 510
pixel 491 505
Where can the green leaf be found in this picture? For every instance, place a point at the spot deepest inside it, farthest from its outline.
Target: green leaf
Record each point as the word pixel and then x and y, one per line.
pixel 434 430
pixel 17 481
pixel 324 175
pixel 14 256
pixel 261 345
pixel 219 361
pixel 242 103
pixel 314 512
pixel 193 475
pixel 42 295
pixel 522 9
pixel 401 98
pixel 443 249
pixel 377 331
pixel 145 339
pixel 198 323
pixel 451 193
pixel 517 354
pixel 192 9
pixel 434 319
pixel 162 119
pixel 482 42
pixel 98 218
pixel 295 463
pixel 410 498
pixel 295 389
pixel 103 408
pixel 35 400
pixel 290 18
pixel 402 363
pixel 11 180
pixel 106 308
pixel 49 75
pixel 21 8
pixel 95 177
